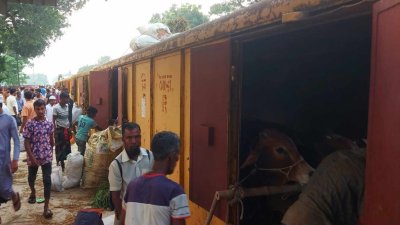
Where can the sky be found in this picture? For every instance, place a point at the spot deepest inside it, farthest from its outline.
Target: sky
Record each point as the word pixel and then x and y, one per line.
pixel 101 28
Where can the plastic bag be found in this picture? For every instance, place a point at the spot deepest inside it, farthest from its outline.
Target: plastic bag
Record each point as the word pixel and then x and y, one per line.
pixel 21 143
pixel 156 30
pixel 56 179
pixel 73 170
pixel 142 41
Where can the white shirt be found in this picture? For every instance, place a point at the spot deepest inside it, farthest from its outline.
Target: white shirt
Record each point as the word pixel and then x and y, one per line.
pixel 49 113
pixel 131 169
pixel 11 103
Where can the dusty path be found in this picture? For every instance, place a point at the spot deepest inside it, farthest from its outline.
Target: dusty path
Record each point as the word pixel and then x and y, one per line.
pixel 64 205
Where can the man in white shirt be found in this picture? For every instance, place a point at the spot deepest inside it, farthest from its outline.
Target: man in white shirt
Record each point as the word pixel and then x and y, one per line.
pixel 134 161
pixel 49 108
pixel 12 104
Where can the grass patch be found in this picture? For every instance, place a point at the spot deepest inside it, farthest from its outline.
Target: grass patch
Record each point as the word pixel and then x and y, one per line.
pixel 102 197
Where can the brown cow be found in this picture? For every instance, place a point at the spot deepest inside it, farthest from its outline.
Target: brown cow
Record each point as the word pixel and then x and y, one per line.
pixel 276 153
pixel 274 160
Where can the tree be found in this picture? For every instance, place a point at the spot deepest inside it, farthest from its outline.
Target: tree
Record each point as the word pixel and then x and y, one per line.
pixel 12 67
pixel 182 18
pixel 227 7
pixel 26 30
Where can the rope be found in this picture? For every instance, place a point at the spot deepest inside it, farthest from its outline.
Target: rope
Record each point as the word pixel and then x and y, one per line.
pixel 282 169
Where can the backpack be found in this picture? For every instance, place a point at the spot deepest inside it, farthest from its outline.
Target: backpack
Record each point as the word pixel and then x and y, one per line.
pixel 111 204
pixel 89 217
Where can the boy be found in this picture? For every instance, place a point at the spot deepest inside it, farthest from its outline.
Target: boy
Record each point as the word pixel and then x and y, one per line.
pixel 153 198
pixel 39 142
pixel 85 123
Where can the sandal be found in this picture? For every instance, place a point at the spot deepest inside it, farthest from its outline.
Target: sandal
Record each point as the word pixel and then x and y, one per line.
pixel 40 200
pixel 16 202
pixel 48 214
pixel 32 199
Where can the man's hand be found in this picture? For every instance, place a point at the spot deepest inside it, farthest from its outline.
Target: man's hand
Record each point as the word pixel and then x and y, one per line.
pixel 33 162
pixel 14 166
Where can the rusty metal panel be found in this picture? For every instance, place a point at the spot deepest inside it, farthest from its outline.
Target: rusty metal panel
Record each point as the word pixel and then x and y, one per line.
pixel 100 95
pixel 167 98
pixel 142 100
pixel 210 68
pixel 130 95
pixel 382 191
pixel 121 100
pixel 80 90
pixel 186 114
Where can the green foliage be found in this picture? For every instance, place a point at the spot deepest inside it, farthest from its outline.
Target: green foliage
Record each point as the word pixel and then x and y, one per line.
pixel 182 18
pixel 12 67
pixel 29 29
pixel 102 197
pixel 227 7
pixel 100 61
pixel 26 30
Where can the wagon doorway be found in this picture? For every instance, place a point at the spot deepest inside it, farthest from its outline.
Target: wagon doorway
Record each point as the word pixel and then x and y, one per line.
pixel 114 95
pixel 302 79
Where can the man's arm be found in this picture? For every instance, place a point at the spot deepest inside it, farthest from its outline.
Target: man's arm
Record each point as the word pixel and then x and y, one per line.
pixel 24 119
pixel 115 180
pixel 15 110
pixel 14 134
pixel 115 195
pixel 122 217
pixel 29 152
pixel 52 139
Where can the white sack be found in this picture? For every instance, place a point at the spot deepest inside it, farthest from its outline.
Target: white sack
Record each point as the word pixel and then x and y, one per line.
pixel 142 41
pixel 56 179
pixel 73 170
pixel 156 30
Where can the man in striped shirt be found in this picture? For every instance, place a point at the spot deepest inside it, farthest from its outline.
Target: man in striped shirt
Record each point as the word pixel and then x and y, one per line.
pixel 153 198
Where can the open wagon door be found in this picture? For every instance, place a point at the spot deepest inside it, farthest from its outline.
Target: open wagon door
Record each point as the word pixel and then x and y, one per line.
pixel 100 96
pixel 210 80
pixel 382 183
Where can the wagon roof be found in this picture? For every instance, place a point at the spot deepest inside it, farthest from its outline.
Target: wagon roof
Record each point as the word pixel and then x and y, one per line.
pixel 263 14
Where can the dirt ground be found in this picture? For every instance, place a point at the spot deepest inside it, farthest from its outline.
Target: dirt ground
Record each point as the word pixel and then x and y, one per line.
pixel 65 205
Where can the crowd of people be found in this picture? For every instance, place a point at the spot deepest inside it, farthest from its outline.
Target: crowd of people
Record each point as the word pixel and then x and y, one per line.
pixel 139 189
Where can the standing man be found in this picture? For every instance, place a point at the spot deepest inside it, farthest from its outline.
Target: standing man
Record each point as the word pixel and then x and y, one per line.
pixel 49 108
pixel 12 104
pixel 39 95
pixel 131 163
pixel 39 142
pixel 62 132
pixel 28 112
pixel 153 198
pixel 8 129
pixel 20 102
